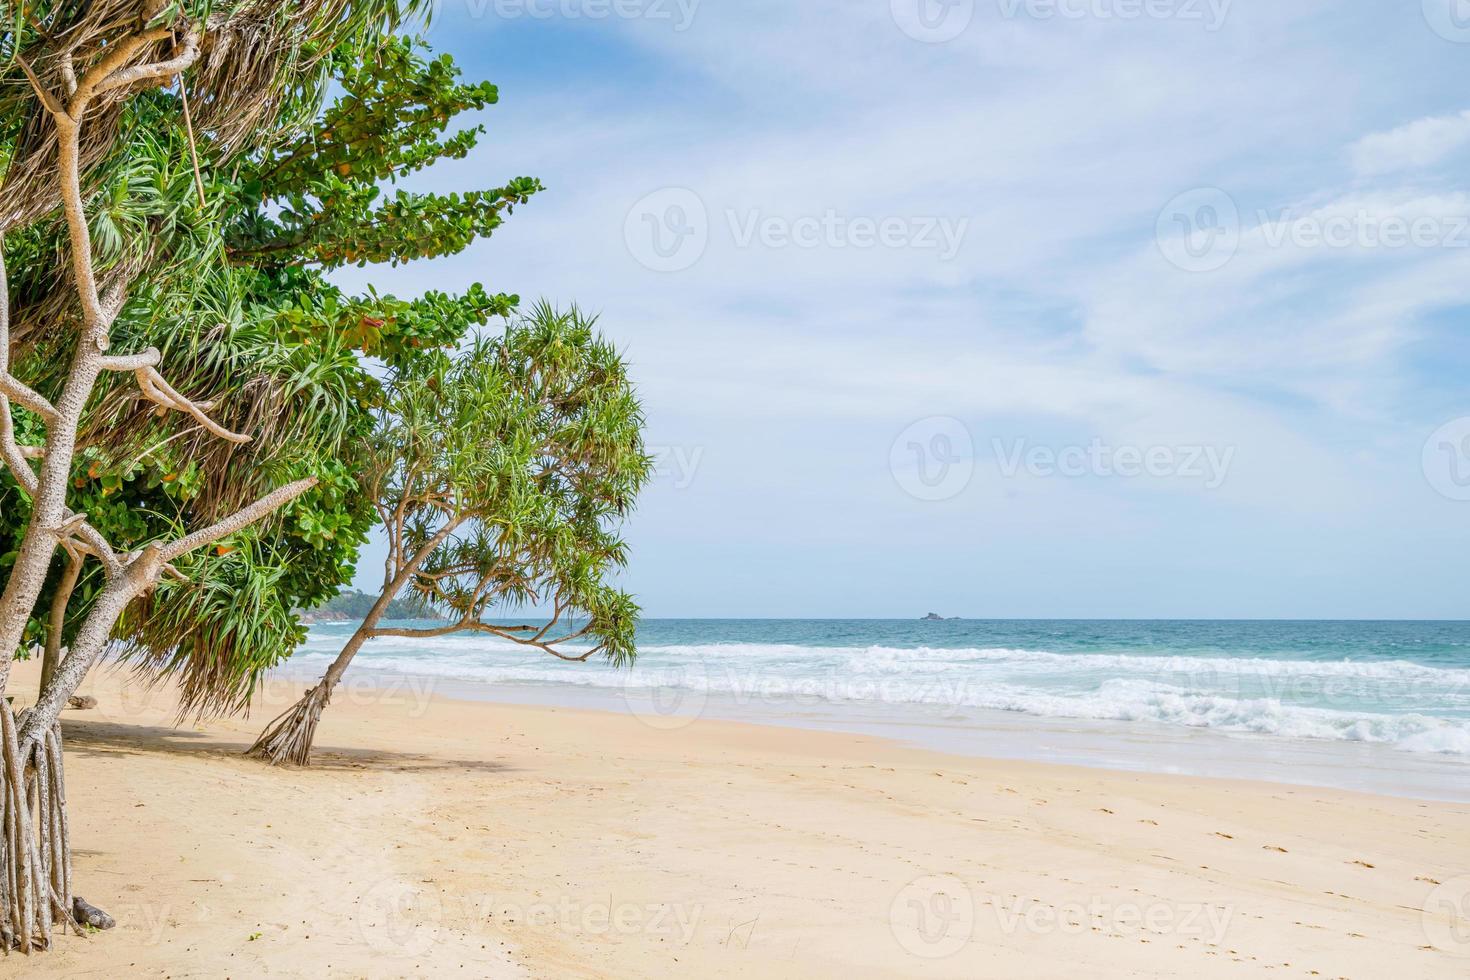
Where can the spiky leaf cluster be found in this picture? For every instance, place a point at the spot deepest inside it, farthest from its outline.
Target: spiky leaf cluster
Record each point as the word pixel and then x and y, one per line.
pixel 530 446
pixel 264 334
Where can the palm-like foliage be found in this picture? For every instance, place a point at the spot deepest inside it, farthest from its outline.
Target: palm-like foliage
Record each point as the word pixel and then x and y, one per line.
pixel 235 298
pixel 530 449
pixel 501 476
pixel 262 70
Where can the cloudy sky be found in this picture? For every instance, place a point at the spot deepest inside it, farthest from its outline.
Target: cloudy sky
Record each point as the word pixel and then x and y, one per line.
pixel 1007 308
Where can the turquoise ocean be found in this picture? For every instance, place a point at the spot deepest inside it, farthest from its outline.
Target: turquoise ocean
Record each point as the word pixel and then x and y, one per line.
pixel 1382 706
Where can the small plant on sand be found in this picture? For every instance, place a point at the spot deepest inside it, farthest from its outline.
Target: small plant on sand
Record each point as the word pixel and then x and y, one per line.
pixel 502 476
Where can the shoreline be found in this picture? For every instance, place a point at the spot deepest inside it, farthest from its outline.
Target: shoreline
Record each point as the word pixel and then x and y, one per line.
pixel 979 733
pixel 542 841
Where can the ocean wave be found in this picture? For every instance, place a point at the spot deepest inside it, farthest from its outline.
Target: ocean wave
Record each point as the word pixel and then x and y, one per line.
pixel 881 658
pixel 1142 702
pixel 1413 706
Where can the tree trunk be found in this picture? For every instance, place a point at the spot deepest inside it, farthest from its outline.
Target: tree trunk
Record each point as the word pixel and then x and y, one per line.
pixel 52 658
pixel 35 840
pixel 287 740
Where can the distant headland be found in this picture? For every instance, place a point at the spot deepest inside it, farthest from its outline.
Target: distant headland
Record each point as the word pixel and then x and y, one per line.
pixel 353 606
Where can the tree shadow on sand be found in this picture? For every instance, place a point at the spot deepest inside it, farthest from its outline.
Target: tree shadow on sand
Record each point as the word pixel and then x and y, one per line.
pixel 103 738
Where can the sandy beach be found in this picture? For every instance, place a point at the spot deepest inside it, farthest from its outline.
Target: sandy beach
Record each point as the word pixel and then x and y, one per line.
pixel 441 838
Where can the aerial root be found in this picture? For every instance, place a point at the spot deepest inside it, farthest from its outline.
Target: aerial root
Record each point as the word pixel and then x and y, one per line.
pixel 35 840
pixel 287 740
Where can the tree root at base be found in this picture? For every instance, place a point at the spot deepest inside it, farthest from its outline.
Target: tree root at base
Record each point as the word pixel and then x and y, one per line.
pixel 35 840
pixel 287 740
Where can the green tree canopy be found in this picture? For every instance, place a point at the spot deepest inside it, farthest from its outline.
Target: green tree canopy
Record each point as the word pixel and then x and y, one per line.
pixel 238 300
pixel 501 478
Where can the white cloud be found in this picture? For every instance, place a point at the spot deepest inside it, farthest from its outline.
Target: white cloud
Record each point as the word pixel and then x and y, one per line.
pixel 792 369
pixel 1421 143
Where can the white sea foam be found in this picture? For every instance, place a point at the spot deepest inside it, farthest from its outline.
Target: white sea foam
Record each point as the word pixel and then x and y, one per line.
pixel 1415 707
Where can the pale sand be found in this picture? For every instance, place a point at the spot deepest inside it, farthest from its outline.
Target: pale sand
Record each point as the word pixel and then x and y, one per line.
pixel 501 837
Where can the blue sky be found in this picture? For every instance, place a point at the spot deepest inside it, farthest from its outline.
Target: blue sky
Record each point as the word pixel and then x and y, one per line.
pixel 1032 308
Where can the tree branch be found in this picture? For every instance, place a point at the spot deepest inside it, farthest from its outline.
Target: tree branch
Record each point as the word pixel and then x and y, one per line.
pixel 408 633
pixel 160 392
pixel 257 511
pixel 117 54
pixel 47 99
pixel 57 625
pixel 25 397
pixel 132 362
pixel 185 55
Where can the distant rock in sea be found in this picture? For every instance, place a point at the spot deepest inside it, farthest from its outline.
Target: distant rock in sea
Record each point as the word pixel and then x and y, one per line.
pixel 934 616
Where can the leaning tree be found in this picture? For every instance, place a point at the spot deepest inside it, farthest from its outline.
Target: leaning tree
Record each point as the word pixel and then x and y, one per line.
pixel 75 73
pixel 238 299
pixel 501 478
pixel 294 212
